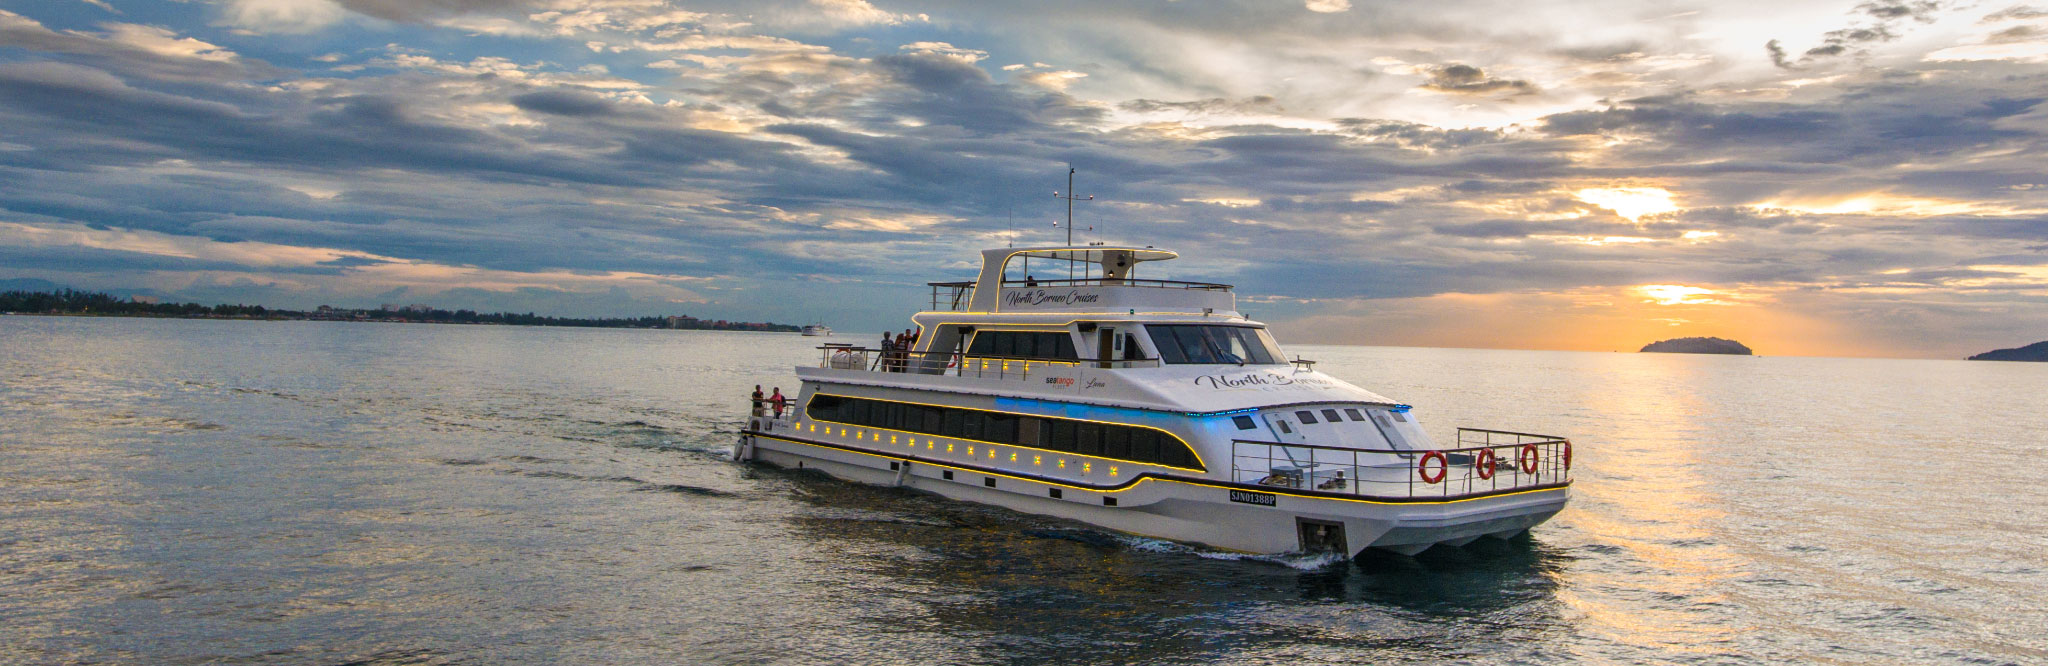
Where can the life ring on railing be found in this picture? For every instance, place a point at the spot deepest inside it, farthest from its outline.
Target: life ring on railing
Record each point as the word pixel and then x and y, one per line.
pixel 1485 463
pixel 1567 455
pixel 1443 467
pixel 1528 458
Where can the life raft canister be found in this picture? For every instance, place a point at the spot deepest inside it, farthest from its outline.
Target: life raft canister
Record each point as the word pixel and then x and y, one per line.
pixel 1567 455
pixel 1528 458
pixel 1443 467
pixel 1485 463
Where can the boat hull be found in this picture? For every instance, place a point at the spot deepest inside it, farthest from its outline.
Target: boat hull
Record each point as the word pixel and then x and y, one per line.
pixel 1196 511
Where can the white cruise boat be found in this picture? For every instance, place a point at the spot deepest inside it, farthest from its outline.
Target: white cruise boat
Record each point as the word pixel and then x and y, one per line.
pixel 815 330
pixel 1151 407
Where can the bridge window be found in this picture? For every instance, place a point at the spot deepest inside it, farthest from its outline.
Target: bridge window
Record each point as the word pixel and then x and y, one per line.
pixel 1090 438
pixel 1200 344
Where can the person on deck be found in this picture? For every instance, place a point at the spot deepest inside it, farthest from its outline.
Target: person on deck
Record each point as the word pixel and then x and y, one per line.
pixel 758 408
pixel 778 401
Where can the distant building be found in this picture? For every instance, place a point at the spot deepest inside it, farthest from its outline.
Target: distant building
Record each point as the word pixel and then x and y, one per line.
pixel 420 308
pixel 145 300
pixel 388 307
pixel 683 321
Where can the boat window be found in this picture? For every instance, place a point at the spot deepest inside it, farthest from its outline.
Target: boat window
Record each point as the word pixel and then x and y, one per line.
pixel 1284 429
pixel 1109 440
pixel 1353 413
pixel 1025 344
pixel 1243 422
pixel 1116 442
pixel 1199 344
pixel 1331 416
pixel 1088 438
pixel 1307 417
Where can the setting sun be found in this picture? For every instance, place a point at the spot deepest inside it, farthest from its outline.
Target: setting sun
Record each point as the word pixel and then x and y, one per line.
pixel 1672 294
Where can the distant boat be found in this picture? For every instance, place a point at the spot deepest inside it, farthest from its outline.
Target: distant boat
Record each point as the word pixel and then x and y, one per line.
pixel 817 330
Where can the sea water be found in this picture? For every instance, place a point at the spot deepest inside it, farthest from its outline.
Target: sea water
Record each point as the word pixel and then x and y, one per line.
pixel 194 491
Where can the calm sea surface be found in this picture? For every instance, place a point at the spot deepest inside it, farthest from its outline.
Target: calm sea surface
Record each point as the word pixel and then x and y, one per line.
pixel 180 492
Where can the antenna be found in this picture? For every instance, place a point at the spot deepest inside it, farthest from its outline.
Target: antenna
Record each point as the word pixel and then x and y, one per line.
pixel 1069 196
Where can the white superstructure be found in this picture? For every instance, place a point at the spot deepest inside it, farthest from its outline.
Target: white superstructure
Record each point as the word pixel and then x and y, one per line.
pixel 1152 407
pixel 818 330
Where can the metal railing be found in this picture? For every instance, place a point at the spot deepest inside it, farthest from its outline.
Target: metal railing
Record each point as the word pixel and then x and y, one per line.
pixel 1116 282
pixel 1485 462
pixel 955 296
pixel 952 296
pixel 848 357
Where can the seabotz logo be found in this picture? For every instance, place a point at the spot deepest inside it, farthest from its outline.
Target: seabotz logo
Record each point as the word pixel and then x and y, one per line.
pixel 1249 497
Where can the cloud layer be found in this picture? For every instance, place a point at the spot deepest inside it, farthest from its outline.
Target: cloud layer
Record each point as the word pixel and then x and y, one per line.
pixel 1860 179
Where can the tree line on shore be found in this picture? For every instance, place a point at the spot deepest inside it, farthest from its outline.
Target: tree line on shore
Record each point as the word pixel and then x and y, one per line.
pixel 74 302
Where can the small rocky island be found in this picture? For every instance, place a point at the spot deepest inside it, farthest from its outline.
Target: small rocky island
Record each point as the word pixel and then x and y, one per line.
pixel 1697 346
pixel 2037 352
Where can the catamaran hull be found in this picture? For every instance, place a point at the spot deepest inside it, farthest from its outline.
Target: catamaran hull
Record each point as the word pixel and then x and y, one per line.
pixel 1190 511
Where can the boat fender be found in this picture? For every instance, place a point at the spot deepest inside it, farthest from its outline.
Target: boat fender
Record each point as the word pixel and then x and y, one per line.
pixel 1567 455
pixel 1485 463
pixel 1528 458
pixel 1443 466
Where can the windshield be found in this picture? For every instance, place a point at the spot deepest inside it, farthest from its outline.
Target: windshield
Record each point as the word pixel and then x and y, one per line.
pixel 1198 344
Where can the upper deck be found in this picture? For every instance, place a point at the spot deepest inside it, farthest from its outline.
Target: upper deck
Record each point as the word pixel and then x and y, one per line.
pixel 1105 284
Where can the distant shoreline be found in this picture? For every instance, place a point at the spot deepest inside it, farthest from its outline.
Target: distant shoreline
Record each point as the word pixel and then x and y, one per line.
pixel 71 303
pixel 124 315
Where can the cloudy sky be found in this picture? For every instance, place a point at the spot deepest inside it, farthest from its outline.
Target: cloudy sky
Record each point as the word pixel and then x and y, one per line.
pixel 1812 178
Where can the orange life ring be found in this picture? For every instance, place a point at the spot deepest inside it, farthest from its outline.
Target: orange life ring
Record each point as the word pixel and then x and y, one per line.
pixel 1443 467
pixel 1528 458
pixel 1567 455
pixel 1485 463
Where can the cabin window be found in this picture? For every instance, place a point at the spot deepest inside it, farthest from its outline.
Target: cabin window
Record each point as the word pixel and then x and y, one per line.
pixel 1116 443
pixel 1062 436
pixel 1109 440
pixel 956 423
pixel 1024 344
pixel 1331 415
pixel 1088 438
pixel 1307 417
pixel 1243 422
pixel 1353 413
pixel 1199 344
pixel 1000 427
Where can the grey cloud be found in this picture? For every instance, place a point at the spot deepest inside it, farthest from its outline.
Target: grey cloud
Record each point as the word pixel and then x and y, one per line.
pixel 564 103
pixel 1469 80
pixel 1253 104
pixel 2013 13
pixel 1887 15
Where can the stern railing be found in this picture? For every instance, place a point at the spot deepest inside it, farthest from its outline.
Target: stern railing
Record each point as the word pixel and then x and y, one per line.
pixel 1485 462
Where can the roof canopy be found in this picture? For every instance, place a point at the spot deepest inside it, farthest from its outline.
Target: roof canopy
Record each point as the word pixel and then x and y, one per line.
pixel 1092 254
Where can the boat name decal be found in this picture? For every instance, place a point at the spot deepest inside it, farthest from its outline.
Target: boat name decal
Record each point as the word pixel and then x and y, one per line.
pixel 1041 296
pixel 1094 383
pixel 1061 381
pixel 1249 497
pixel 1258 379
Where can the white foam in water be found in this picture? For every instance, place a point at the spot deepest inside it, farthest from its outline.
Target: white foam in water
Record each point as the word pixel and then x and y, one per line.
pixel 1302 561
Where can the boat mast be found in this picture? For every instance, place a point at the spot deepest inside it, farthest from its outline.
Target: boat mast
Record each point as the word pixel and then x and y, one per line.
pixel 1069 196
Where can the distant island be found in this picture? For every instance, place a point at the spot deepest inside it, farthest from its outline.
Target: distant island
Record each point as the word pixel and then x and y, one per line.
pixel 2037 352
pixel 1697 346
pixel 84 303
